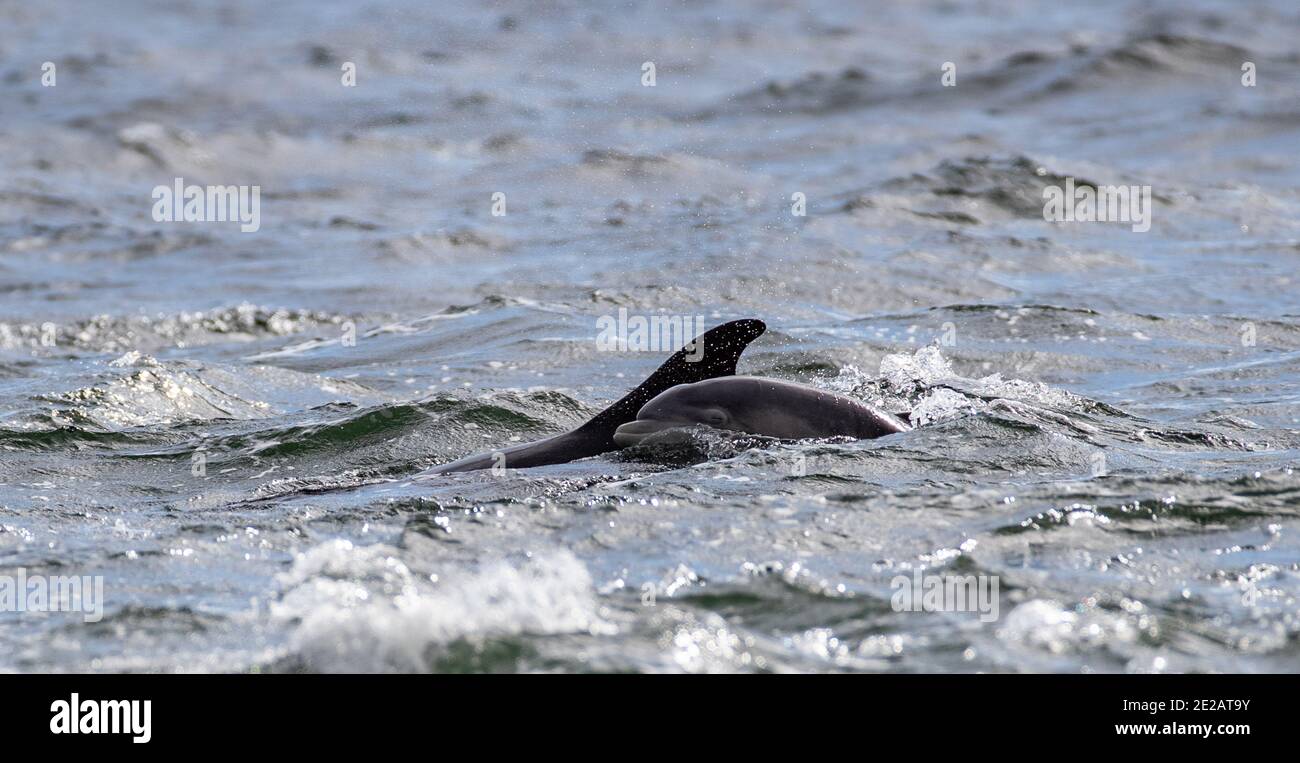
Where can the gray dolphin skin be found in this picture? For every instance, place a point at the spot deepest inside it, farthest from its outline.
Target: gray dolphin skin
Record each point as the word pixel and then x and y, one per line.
pixel 722 346
pixel 759 406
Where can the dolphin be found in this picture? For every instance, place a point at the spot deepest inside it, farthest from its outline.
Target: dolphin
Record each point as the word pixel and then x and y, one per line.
pixel 712 354
pixel 759 406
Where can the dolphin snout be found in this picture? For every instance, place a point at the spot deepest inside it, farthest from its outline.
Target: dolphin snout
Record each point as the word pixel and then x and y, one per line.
pixel 634 432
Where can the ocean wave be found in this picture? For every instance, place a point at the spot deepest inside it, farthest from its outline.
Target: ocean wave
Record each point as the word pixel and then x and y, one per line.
pixel 160 393
pixel 108 334
pixel 1018 79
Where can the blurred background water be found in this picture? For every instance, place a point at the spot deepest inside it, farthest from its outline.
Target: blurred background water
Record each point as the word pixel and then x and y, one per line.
pixel 1108 418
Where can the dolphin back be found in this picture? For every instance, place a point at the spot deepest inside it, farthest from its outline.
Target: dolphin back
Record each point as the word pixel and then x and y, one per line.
pixel 552 450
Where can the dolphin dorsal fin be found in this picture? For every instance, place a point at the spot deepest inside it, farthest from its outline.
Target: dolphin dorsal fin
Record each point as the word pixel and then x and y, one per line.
pixel 722 346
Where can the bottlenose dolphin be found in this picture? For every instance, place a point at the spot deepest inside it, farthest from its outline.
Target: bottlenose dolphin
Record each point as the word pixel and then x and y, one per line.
pixel 721 348
pixel 759 406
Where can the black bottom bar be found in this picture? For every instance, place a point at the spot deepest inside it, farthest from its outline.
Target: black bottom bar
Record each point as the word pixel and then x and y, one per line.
pixel 304 712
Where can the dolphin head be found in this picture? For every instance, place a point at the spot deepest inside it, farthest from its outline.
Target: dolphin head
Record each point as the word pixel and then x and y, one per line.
pixel 681 406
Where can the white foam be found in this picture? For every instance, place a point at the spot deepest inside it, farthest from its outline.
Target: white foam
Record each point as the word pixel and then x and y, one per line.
pixel 1044 624
pixel 943 405
pixel 925 366
pixel 939 393
pixel 361 608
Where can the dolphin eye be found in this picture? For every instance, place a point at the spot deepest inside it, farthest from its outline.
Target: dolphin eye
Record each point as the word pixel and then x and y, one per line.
pixel 715 417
